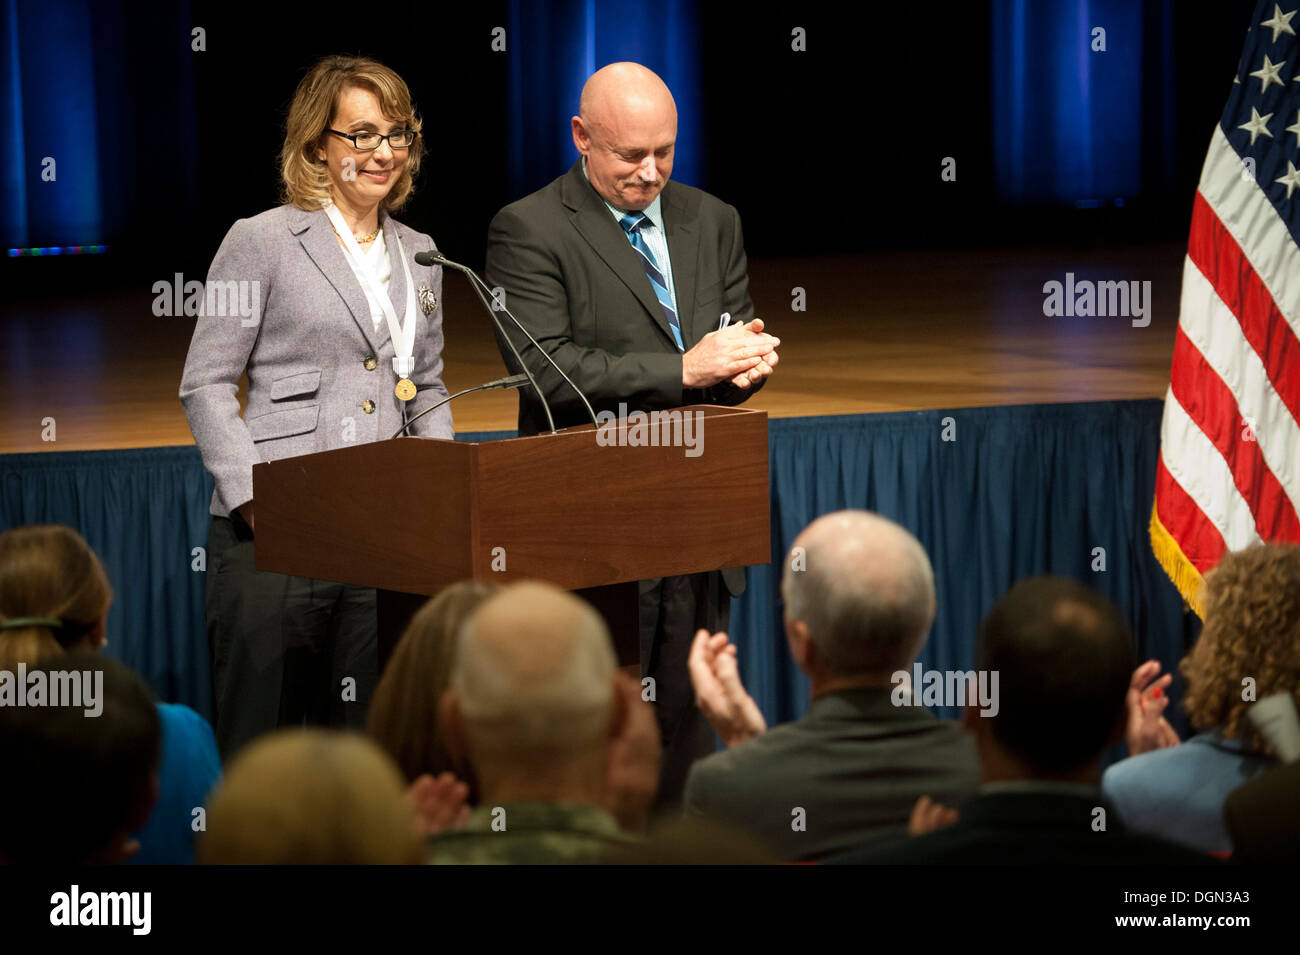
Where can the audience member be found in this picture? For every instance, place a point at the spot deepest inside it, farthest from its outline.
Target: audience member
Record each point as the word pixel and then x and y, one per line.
pixel 538 710
pixel 311 797
pixel 82 772
pixel 859 601
pixel 54 598
pixel 1249 648
pixel 1065 661
pixel 404 710
pixel 1263 817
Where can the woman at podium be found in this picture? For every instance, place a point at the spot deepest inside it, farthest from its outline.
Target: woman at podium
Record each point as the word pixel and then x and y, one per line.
pixel 320 303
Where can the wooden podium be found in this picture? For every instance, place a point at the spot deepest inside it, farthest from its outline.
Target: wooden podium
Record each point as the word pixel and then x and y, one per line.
pixel 591 510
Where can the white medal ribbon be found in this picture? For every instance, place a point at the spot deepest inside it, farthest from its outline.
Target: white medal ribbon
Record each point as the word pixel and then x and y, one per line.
pixel 403 335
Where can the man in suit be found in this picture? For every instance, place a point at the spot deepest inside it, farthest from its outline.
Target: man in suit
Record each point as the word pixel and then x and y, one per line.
pixel 624 278
pixel 1064 658
pixel 859 601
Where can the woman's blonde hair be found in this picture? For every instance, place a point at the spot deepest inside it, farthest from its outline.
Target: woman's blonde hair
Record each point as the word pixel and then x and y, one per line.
pixel 310 797
pixel 1252 629
pixel 48 570
pixel 403 716
pixel 305 179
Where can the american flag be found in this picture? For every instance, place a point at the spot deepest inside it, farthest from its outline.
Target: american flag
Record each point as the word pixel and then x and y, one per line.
pixel 1229 469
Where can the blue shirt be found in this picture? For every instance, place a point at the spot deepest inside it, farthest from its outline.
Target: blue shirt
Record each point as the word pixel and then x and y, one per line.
pixel 1178 792
pixel 190 767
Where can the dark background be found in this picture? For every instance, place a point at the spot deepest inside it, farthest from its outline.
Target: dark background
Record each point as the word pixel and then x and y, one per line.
pixel 832 150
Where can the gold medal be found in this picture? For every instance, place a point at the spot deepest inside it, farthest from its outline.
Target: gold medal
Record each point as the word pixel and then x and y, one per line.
pixel 405 389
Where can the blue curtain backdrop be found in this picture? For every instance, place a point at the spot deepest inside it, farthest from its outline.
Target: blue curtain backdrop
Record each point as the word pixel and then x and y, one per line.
pixel 66 96
pixel 1021 490
pixel 561 44
pixel 1070 123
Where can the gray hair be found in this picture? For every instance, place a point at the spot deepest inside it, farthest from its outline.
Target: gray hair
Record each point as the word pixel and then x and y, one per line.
pixel 864 588
pixel 534 674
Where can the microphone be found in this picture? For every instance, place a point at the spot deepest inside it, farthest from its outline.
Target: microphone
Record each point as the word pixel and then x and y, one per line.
pixel 513 381
pixel 437 258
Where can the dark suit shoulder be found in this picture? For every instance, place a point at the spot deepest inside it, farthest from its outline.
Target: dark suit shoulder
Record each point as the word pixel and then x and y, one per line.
pixel 542 204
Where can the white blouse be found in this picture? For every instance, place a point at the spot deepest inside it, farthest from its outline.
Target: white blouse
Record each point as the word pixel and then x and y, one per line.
pixel 375 260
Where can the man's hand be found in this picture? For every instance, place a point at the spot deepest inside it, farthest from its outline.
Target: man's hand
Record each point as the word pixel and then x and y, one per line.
pixel 440 803
pixel 928 816
pixel 246 512
pixel 730 353
pixel 1147 727
pixel 718 691
pixel 758 372
pixel 634 760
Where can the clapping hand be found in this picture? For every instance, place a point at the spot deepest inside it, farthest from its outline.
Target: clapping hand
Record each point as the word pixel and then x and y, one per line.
pixel 718 691
pixel 741 353
pixel 1145 702
pixel 440 803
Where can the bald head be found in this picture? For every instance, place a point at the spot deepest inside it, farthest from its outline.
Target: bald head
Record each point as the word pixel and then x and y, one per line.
pixel 534 674
pixel 626 128
pixel 864 588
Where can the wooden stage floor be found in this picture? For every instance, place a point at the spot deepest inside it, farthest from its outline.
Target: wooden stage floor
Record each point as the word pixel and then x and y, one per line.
pixel 882 332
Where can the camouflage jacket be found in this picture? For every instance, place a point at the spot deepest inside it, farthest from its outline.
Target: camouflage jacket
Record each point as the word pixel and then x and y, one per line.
pixel 530 833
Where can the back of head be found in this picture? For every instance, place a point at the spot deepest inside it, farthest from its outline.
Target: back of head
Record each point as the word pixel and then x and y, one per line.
pixel 864 588
pixel 1064 657
pixel 403 716
pixel 1252 629
pixel 79 774
pixel 310 797
pixel 48 571
pixel 534 678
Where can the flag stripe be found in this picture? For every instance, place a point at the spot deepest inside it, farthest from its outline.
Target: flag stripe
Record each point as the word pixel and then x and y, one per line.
pixel 1202 472
pixel 1254 225
pixel 1199 540
pixel 1220 259
pixel 1214 331
pixel 1210 403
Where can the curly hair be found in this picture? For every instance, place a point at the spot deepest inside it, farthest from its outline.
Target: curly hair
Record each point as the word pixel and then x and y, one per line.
pixel 1252 629
pixel 304 178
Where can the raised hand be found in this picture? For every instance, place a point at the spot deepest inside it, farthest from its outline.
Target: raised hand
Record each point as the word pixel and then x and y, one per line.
pixel 1145 703
pixel 440 803
pixel 718 691
pixel 928 816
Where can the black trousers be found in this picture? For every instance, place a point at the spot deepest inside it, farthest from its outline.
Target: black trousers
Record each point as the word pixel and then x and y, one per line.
pixel 285 650
pixel 672 609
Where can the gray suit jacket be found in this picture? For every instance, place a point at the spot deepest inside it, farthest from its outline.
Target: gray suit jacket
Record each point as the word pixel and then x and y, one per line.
pixel 855 764
pixel 307 353
pixel 572 278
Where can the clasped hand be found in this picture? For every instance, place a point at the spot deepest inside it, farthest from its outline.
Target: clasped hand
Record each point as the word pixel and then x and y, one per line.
pixel 742 354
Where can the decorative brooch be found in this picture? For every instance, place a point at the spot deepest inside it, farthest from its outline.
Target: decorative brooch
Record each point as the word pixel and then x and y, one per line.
pixel 428 302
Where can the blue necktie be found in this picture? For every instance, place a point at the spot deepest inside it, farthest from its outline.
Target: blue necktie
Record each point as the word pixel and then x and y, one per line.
pixel 632 223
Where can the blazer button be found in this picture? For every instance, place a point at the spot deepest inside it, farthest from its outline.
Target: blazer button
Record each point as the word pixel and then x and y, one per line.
pixel 370 363
pixel 368 406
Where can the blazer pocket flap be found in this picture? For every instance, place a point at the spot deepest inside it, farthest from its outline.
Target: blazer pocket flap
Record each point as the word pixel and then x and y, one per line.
pixel 302 384
pixel 710 294
pixel 283 424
